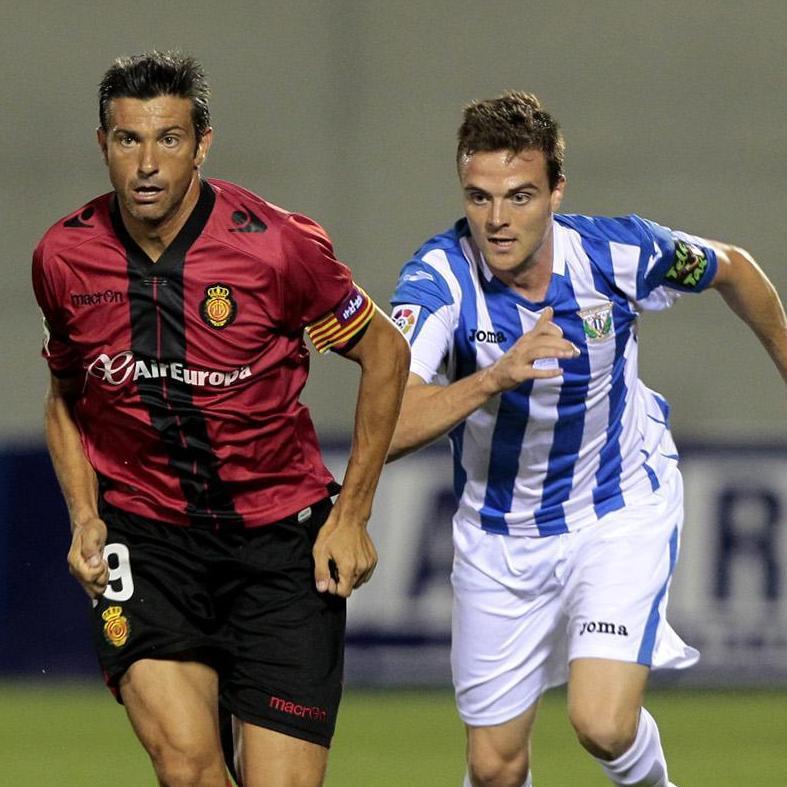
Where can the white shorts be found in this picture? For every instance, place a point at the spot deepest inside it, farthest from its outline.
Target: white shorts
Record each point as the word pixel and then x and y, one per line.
pixel 525 607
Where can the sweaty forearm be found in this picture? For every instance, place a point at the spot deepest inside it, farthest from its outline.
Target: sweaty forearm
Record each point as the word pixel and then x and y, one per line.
pixel 429 411
pixel 750 294
pixel 74 473
pixel 383 377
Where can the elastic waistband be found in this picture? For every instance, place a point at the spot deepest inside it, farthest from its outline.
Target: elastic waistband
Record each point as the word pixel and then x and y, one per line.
pixel 213 524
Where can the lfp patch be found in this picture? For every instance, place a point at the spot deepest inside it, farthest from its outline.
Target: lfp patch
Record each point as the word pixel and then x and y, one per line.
pixel 405 318
pixel 597 322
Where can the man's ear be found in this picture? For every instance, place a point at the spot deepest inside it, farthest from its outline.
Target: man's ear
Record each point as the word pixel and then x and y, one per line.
pixel 101 137
pixel 203 146
pixel 557 193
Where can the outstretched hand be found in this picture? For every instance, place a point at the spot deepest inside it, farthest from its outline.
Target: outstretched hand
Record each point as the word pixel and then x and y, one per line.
pixel 544 340
pixel 344 556
pixel 86 556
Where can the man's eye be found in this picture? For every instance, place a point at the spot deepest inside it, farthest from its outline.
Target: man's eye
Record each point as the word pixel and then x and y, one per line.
pixel 478 199
pixel 126 141
pixel 169 141
pixel 521 198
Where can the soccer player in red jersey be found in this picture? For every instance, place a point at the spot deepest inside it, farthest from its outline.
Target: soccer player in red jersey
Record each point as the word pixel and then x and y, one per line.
pixel 174 311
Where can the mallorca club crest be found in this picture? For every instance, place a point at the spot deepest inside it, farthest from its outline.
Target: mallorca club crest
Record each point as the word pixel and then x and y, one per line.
pixel 116 626
pixel 219 308
pixel 597 322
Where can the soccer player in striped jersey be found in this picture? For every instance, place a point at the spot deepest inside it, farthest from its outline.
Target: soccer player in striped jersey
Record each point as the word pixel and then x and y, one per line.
pixel 523 331
pixel 202 525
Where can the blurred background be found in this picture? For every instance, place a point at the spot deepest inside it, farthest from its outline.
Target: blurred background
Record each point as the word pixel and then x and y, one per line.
pixel 347 111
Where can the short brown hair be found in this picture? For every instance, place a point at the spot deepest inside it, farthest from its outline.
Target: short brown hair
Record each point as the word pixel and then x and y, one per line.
pixel 515 122
pixel 154 74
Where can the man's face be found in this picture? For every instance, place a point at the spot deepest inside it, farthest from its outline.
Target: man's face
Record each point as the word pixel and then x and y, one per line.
pixel 509 206
pixel 152 154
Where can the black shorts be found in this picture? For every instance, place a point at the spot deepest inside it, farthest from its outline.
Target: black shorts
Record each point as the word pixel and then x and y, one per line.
pixel 243 601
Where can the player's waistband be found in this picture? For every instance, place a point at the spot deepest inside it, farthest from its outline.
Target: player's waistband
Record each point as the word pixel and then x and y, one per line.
pixel 215 524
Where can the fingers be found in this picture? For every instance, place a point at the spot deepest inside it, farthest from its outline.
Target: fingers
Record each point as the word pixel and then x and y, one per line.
pixel 327 575
pixel 323 580
pixel 86 558
pixel 532 346
pixel 96 587
pixel 544 323
pixel 545 318
pixel 545 339
pixel 93 580
pixel 539 374
pixel 352 578
pixel 550 345
pixel 346 582
pixel 365 576
pixel 341 576
pixel 92 548
pixel 345 577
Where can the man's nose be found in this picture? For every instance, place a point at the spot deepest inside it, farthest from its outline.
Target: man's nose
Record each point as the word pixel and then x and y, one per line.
pixel 148 160
pixel 497 215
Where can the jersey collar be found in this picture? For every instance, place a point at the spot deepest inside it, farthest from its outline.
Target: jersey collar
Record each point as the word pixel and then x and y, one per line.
pixel 175 253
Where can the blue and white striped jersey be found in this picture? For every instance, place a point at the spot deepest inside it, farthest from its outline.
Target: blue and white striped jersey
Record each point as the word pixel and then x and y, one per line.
pixel 555 454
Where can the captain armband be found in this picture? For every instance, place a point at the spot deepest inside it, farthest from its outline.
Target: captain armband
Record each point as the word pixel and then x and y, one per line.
pixel 341 328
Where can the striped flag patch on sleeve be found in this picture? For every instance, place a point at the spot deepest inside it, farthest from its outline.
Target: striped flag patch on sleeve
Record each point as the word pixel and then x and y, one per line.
pixel 338 327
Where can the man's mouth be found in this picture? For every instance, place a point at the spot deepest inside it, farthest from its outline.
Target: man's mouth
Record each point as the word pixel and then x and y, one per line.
pixel 147 193
pixel 501 242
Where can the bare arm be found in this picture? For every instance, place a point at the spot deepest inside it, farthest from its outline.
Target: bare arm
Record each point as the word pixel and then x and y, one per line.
pixel 383 355
pixel 79 485
pixel 750 294
pixel 429 411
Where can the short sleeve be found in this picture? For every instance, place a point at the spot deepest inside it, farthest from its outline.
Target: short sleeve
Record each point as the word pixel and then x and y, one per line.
pixel 424 311
pixel 650 264
pixel 421 284
pixel 63 361
pixel 666 258
pixel 688 263
pixel 314 281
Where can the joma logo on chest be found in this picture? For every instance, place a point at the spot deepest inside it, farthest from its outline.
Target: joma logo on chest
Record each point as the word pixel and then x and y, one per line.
pixel 487 337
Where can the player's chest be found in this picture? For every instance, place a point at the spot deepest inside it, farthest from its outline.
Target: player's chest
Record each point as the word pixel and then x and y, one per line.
pixel 218 309
pixel 600 326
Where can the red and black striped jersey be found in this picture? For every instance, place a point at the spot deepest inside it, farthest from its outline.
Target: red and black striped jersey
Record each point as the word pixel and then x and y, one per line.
pixel 193 365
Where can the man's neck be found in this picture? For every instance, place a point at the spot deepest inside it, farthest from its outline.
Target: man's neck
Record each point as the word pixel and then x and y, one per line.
pixel 533 277
pixel 154 237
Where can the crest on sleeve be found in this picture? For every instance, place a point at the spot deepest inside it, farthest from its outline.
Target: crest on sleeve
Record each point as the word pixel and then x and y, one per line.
pixel 405 318
pixel 597 322
pixel 689 265
pixel 219 308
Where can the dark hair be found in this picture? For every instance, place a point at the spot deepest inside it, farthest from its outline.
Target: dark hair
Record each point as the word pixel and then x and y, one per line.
pixel 515 122
pixel 154 74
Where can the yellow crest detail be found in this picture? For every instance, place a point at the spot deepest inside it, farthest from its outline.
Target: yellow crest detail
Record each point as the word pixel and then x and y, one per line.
pixel 116 626
pixel 218 309
pixel 218 291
